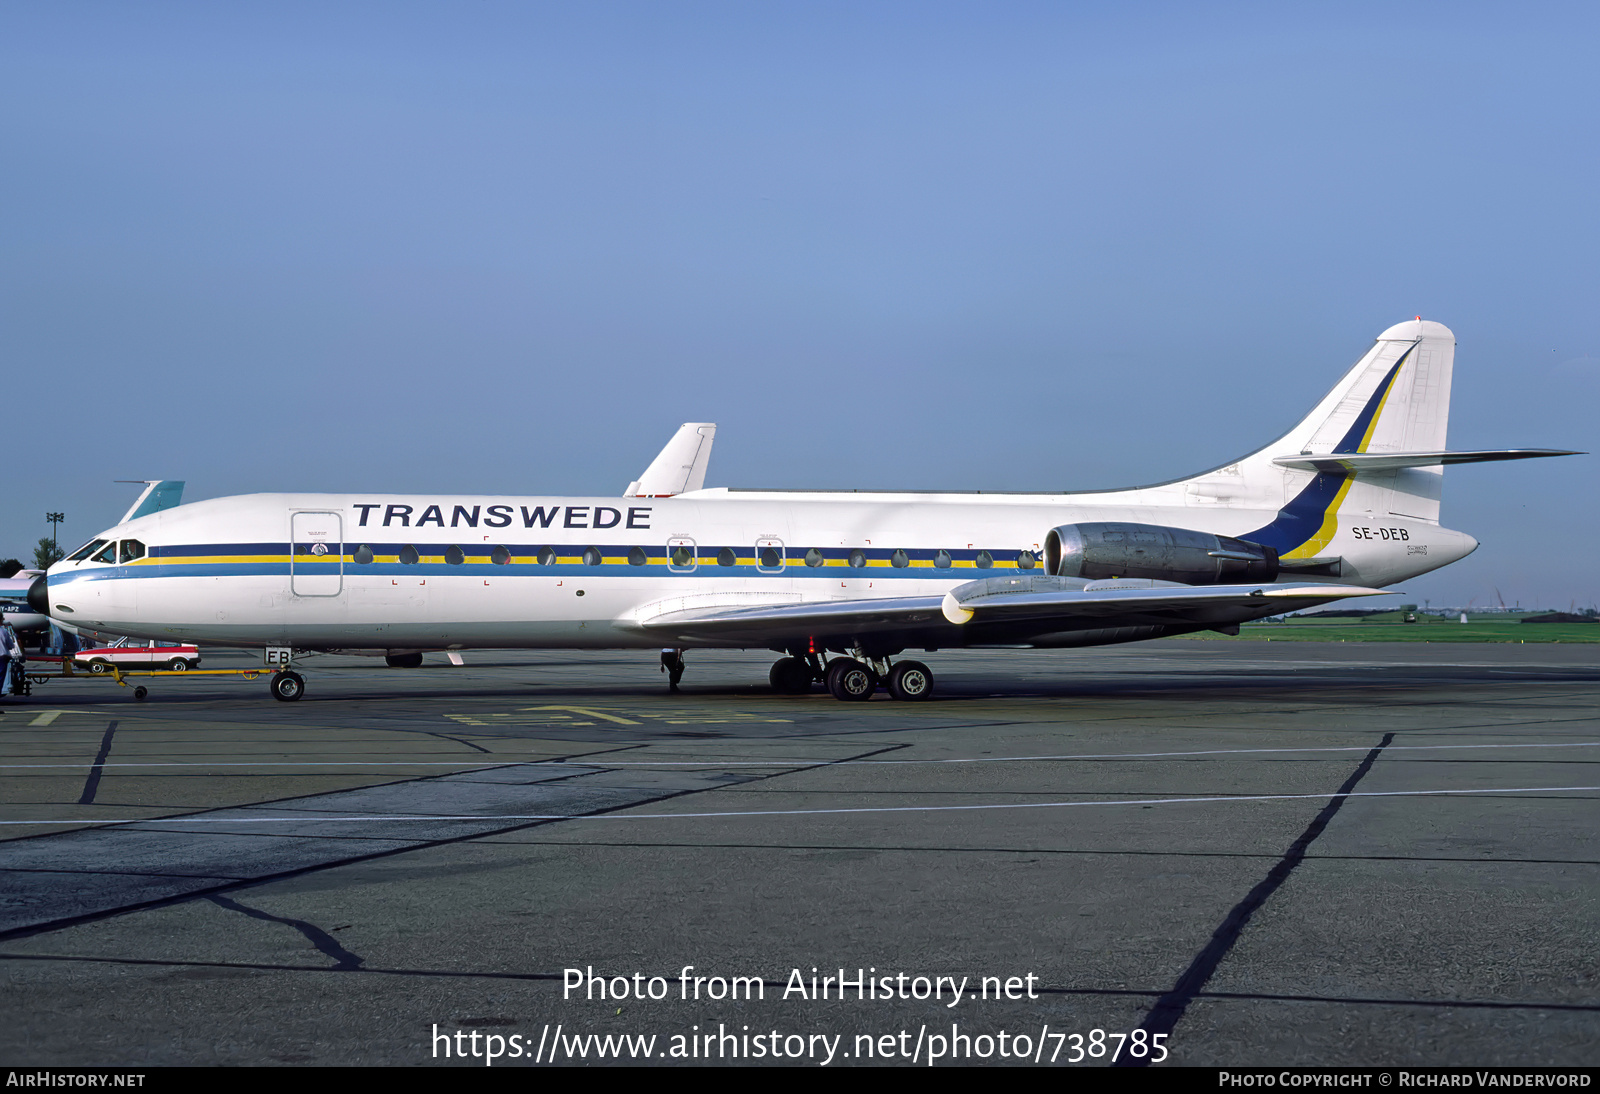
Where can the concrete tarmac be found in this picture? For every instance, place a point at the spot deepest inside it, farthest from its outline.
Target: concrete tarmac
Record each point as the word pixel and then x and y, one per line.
pixel 1245 853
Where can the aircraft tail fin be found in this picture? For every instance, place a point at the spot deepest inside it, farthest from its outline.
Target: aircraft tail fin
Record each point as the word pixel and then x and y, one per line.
pixel 1373 448
pixel 681 466
pixel 1394 402
pixel 158 494
pixel 1395 399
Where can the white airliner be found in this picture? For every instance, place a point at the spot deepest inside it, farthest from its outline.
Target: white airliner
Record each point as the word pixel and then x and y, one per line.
pixel 839 583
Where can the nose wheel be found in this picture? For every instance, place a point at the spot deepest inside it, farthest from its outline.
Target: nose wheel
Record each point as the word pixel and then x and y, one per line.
pixel 287 686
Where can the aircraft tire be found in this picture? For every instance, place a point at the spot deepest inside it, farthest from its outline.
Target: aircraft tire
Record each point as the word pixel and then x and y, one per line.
pixel 790 676
pixel 850 681
pixel 288 686
pixel 910 681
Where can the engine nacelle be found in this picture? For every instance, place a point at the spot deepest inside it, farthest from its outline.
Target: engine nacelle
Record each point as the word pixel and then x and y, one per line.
pixel 1106 549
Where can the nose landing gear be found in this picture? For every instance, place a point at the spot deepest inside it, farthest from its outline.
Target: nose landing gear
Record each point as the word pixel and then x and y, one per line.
pixel 287 686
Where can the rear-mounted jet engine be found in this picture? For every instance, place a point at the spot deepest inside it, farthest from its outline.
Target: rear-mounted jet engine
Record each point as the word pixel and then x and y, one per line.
pixel 1103 549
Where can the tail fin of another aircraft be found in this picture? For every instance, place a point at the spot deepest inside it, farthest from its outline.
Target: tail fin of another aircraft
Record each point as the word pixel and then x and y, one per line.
pixel 681 466
pixel 158 494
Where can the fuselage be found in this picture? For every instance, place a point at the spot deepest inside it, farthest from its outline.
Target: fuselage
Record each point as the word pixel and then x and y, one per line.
pixel 358 571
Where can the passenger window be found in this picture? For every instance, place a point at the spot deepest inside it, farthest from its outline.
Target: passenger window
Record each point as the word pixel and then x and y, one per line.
pixel 500 556
pixel 546 556
pixel 984 560
pixel 132 549
pixel 942 560
pixel 858 558
pixel 680 555
pixel 454 555
pixel 363 555
pixel 814 558
pixel 1026 560
pixel 592 556
pixel 726 557
pixel 769 555
pixel 636 557
pixel 409 556
pixel 899 560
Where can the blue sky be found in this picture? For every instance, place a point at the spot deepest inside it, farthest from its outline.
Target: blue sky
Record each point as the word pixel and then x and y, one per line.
pixel 507 248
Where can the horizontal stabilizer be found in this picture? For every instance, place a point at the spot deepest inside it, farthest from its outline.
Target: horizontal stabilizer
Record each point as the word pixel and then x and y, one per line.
pixel 681 466
pixel 158 494
pixel 1359 462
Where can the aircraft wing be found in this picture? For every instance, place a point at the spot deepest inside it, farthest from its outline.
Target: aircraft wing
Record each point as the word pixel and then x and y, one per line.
pixel 999 610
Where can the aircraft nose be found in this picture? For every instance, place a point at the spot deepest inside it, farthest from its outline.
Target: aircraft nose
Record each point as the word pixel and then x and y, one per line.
pixel 39 595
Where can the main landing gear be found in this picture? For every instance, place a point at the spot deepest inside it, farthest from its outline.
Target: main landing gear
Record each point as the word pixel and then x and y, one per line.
pixel 852 680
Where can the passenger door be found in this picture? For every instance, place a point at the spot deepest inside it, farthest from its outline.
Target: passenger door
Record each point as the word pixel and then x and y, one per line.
pixel 316 553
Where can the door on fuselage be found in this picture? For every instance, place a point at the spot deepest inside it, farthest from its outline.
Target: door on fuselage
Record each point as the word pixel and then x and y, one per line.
pixel 316 553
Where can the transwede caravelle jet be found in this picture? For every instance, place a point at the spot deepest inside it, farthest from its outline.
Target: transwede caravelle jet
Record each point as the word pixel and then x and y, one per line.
pixel 839 583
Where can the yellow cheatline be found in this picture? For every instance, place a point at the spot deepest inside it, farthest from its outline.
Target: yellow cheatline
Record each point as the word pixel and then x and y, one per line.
pixel 1327 530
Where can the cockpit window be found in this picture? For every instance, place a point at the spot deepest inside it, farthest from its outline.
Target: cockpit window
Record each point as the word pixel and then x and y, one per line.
pixel 107 555
pixel 131 549
pixel 86 550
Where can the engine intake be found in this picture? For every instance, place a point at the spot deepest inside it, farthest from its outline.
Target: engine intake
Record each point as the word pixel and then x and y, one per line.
pixel 1107 549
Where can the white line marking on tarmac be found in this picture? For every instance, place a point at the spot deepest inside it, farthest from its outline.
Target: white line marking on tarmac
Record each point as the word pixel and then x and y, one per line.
pixel 371 817
pixel 811 762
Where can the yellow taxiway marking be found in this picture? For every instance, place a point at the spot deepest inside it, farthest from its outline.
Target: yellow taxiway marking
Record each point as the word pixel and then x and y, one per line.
pixel 586 712
pixel 45 717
